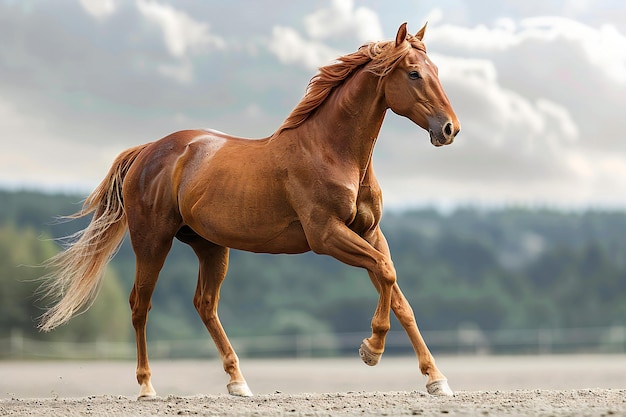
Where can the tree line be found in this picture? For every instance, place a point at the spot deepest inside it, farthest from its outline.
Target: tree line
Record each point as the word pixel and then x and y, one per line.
pixel 509 268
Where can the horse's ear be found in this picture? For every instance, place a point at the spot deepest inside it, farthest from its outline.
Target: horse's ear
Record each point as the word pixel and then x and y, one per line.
pixel 420 35
pixel 401 36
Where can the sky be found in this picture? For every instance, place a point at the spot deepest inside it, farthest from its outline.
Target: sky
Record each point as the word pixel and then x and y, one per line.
pixel 539 88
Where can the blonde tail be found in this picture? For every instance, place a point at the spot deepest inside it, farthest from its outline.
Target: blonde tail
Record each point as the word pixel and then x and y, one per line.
pixel 78 270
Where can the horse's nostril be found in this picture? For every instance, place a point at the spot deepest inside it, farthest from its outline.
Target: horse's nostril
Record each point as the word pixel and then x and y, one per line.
pixel 447 129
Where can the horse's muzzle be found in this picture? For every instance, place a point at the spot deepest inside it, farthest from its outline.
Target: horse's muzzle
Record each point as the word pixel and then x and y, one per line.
pixel 445 136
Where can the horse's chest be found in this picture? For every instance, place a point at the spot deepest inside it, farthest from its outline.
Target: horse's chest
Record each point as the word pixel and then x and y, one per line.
pixel 368 209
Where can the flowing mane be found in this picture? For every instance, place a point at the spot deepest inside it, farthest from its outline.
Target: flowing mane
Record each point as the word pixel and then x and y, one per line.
pixel 384 56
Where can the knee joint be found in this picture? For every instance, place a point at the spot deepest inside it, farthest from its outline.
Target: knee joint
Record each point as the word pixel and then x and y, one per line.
pixel 386 272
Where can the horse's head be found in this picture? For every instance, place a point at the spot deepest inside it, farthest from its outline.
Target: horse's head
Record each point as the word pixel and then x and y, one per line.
pixel 412 89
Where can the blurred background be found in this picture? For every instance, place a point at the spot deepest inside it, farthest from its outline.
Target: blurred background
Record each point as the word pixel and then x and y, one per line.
pixel 509 241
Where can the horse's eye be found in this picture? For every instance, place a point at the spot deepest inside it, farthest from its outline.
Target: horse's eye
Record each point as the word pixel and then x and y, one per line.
pixel 414 75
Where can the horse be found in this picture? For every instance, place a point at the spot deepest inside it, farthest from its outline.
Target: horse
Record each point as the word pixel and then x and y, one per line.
pixel 310 186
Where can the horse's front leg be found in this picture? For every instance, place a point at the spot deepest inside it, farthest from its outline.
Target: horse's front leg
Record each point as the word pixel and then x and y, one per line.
pixel 340 242
pixel 437 383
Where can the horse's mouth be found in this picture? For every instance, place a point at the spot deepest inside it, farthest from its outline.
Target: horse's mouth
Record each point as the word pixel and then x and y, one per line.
pixel 439 140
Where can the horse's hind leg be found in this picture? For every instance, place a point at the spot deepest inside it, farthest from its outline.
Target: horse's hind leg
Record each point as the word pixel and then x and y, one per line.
pixel 213 266
pixel 150 257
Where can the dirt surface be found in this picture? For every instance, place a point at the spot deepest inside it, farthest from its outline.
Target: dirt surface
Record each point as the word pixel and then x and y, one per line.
pixel 598 402
pixel 520 386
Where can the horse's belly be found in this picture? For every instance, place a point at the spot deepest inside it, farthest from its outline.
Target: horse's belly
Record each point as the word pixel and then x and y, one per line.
pixel 231 194
pixel 261 239
pixel 252 228
pixel 291 240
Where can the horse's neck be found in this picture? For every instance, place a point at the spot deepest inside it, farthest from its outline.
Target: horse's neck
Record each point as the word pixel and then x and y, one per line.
pixel 349 120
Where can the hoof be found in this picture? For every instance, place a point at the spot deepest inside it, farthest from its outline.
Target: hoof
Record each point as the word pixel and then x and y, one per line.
pixel 368 355
pixel 146 392
pixel 239 389
pixel 440 388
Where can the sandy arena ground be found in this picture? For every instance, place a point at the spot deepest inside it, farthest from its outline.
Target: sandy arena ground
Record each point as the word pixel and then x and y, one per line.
pixel 527 386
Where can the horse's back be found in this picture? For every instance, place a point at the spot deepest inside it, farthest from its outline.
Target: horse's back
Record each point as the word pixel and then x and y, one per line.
pixel 227 189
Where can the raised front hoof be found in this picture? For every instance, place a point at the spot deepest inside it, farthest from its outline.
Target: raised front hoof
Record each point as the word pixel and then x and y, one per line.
pixel 240 389
pixel 369 355
pixel 440 388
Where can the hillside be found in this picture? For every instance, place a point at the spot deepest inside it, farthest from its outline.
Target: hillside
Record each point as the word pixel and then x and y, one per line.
pixel 510 268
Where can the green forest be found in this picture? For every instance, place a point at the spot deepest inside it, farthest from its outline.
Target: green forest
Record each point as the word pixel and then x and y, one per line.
pixel 508 268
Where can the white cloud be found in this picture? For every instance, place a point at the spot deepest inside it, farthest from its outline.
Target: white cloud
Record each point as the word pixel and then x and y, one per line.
pixel 558 116
pixel 578 6
pixel 181 33
pixel 291 48
pixel 333 24
pixel 480 37
pixel 485 105
pixel 342 19
pixel 605 47
pixel 100 9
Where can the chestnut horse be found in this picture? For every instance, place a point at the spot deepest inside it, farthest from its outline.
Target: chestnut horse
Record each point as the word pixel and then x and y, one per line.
pixel 309 186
